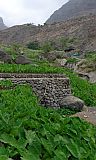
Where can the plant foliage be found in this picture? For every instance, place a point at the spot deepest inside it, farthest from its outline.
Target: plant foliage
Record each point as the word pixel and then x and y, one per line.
pixel 33 45
pixel 31 132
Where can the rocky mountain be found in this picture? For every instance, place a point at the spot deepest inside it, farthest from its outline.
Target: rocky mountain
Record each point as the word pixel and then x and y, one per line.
pixel 73 8
pixel 83 29
pixel 2 25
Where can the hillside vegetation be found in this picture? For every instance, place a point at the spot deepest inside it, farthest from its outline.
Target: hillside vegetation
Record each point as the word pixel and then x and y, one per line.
pixel 28 131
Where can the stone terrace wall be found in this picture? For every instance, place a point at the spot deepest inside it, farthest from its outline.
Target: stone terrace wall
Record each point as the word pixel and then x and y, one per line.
pixel 30 75
pixel 50 88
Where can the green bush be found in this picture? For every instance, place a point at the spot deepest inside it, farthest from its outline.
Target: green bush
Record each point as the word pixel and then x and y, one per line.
pixel 33 45
pixel 47 47
pixel 72 60
pixel 13 50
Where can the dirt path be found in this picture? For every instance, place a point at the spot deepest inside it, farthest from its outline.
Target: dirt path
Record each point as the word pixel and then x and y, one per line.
pixel 89 116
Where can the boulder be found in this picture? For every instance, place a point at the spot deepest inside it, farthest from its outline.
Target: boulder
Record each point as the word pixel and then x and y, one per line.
pixel 92 76
pixel 21 59
pixel 83 75
pixel 73 103
pixel 4 57
pixel 61 62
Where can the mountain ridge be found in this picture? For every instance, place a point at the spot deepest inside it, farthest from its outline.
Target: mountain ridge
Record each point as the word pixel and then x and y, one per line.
pixel 73 9
pixel 82 28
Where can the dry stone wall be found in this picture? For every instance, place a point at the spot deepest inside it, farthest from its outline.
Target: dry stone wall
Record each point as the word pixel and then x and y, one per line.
pixel 50 88
pixel 51 91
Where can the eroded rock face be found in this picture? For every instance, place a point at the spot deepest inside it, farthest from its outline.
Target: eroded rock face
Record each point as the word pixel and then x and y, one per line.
pixel 86 70
pixel 2 25
pixel 73 8
pixel 90 76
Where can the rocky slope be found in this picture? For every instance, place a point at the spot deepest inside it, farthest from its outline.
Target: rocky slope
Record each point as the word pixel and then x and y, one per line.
pixel 82 28
pixel 73 8
pixel 2 25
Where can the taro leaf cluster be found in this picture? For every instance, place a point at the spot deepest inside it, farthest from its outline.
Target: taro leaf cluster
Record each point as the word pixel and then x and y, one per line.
pixel 31 132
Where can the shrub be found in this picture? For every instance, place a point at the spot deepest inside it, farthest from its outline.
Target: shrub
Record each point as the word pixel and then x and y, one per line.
pixel 47 47
pixel 33 45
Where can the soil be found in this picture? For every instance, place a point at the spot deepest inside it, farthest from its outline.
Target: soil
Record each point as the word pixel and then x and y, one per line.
pixel 89 115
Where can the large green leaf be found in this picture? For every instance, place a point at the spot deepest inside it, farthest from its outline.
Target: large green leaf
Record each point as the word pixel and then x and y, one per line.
pixel 48 145
pixel 3 151
pixel 30 136
pixel 60 155
pixel 2 157
pixel 29 155
pixel 73 148
pixel 9 139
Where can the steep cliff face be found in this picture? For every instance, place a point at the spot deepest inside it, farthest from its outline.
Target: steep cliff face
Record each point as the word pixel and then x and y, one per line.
pixel 2 25
pixel 73 8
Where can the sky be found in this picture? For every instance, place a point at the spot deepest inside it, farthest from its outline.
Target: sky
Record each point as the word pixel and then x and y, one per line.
pixel 28 11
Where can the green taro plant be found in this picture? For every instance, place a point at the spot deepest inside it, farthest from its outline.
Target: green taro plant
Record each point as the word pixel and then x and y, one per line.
pixel 29 131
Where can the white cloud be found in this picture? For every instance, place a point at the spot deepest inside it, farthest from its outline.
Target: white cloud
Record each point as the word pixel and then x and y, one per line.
pixel 28 11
